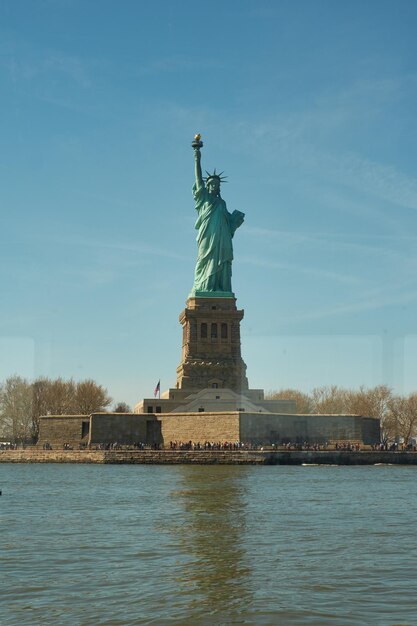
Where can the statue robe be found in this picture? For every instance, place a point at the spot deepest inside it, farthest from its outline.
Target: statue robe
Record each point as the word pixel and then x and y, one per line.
pixel 216 227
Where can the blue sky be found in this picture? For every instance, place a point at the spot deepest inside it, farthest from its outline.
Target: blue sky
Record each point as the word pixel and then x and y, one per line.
pixel 308 106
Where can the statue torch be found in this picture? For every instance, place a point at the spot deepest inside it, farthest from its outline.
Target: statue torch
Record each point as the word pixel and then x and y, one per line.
pixel 197 143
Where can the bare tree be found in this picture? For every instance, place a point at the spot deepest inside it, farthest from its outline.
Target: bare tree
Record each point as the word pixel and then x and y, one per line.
pixel 90 398
pixel 370 402
pixel 403 416
pixel 39 402
pixel 302 400
pixel 122 407
pixel 60 396
pixel 330 399
pixel 22 403
pixel 52 397
pixel 374 402
pixel 16 409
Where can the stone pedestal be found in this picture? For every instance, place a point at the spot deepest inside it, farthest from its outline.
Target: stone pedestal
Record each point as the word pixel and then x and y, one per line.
pixel 211 356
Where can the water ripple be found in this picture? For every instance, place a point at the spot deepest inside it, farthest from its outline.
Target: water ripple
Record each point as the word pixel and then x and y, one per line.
pixel 132 545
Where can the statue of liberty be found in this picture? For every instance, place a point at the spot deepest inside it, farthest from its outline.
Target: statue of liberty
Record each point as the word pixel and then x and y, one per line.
pixel 216 227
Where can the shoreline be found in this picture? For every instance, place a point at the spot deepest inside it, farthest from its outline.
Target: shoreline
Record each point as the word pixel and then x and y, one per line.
pixel 210 457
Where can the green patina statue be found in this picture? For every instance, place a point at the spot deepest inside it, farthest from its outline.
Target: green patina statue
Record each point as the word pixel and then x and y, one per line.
pixel 216 227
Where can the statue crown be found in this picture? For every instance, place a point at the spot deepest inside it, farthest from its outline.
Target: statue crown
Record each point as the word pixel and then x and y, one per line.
pixel 220 177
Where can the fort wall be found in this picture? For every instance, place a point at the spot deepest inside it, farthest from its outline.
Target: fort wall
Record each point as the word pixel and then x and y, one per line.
pixel 219 426
pixel 210 457
pixel 59 429
pixel 200 427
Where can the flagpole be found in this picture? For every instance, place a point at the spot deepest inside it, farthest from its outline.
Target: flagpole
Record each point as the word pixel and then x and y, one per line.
pixel 159 392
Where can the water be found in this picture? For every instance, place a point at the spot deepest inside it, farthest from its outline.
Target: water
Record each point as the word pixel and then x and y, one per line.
pixel 121 545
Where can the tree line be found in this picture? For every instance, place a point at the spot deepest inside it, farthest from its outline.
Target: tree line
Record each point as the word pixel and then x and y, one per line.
pixel 398 413
pixel 22 402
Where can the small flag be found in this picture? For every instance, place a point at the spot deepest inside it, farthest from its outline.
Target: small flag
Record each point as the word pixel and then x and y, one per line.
pixel 157 389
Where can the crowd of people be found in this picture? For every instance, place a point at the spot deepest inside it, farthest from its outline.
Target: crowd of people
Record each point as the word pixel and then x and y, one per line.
pixel 300 446
pixel 210 445
pixel 395 446
pixel 347 446
pixel 139 445
pixel 344 446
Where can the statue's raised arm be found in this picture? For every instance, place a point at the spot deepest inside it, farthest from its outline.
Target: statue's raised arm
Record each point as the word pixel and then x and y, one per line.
pixel 216 227
pixel 197 144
